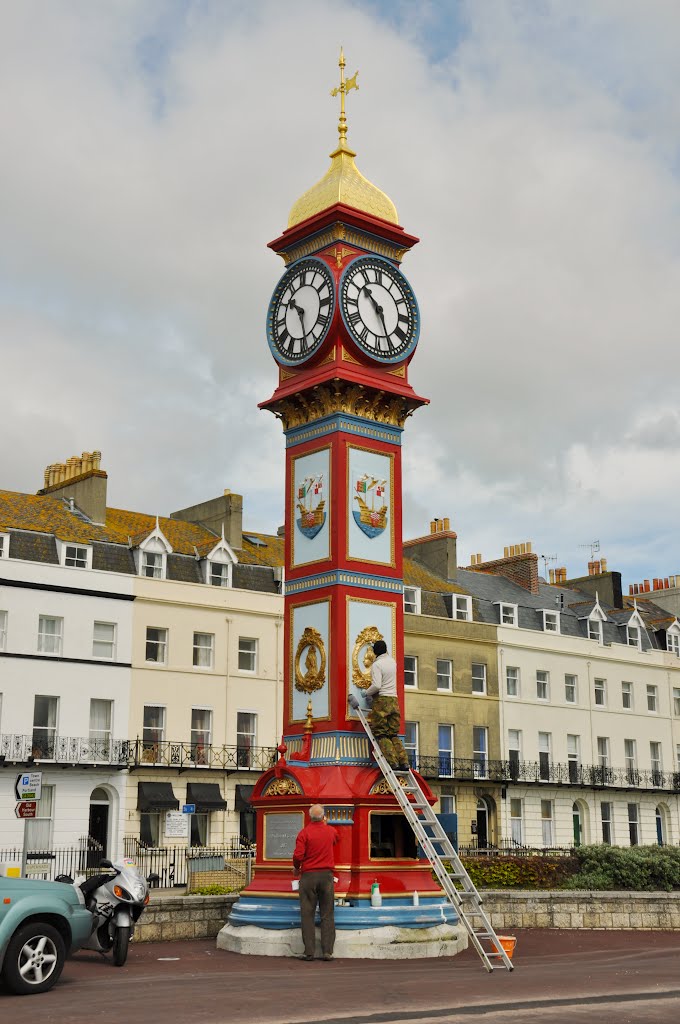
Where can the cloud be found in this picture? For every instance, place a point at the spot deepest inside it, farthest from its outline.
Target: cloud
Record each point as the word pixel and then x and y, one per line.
pixel 152 149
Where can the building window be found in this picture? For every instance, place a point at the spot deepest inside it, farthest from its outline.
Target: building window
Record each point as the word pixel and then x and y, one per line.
pixel 75 556
pixel 570 689
pixel 480 751
pixel 508 614
pixel 246 738
pixel 479 678
pixel 203 650
pixel 633 636
pixel 512 681
pixel 50 634
pixel 447 804
pixel 39 829
pixel 676 689
pixel 514 752
pixel 101 714
pixel 199 829
pixel 551 622
pixel 547 823
pixel 603 751
pixel 150 829
pixel 446 750
pixel 595 630
pixel 104 640
pixel 152 565
pixel 3 631
pixel 156 645
pixel 627 696
pixel 247 654
pixel 462 609
pixel 410 671
pixel 4 545
pixel 445 674
pixel 542 685
pixel 634 824
pixel 153 733
pixel 201 731
pixel 44 727
pixel 652 699
pixel 656 763
pixel 673 643
pixel 606 819
pixel 412 600
pixel 630 762
pixel 544 744
pixel 516 822
pixel 600 693
pixel 218 574
pixel 411 742
pixel 573 757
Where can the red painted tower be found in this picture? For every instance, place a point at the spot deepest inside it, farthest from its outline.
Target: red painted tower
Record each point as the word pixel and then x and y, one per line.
pixel 342 325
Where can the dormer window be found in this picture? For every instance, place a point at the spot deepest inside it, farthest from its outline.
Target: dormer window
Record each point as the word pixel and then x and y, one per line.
pixel 219 564
pixel 218 574
pixel 595 630
pixel 152 565
pixel 4 545
pixel 633 635
pixel 412 600
pixel 673 639
pixel 507 614
pixel 551 622
pixel 461 608
pixel 75 556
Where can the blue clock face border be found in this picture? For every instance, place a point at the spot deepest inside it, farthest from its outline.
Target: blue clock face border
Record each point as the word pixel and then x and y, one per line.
pixel 412 315
pixel 312 281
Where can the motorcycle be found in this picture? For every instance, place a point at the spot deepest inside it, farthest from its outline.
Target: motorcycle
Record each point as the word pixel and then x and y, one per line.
pixel 116 901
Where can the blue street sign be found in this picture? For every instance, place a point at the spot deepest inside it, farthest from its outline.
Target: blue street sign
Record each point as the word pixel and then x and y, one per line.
pixel 188 808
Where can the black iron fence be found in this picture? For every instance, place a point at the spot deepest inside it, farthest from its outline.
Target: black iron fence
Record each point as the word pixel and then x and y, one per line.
pixel 68 750
pixel 174 865
pixel 82 859
pixel 509 848
pixel 570 774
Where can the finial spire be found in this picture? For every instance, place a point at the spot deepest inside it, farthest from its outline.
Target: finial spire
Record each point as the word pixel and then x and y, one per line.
pixel 342 90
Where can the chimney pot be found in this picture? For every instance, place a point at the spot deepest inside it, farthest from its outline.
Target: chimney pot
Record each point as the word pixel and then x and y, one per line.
pixel 447 524
pixel 505 552
pixel 433 526
pixel 646 590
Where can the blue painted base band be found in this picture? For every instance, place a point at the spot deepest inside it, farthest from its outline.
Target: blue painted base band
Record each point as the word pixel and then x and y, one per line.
pixel 269 912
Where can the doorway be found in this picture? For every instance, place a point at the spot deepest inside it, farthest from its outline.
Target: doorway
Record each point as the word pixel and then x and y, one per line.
pixel 482 824
pixel 578 824
pixel 98 828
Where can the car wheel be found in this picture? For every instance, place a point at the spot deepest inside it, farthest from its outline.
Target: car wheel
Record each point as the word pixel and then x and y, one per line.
pixel 34 959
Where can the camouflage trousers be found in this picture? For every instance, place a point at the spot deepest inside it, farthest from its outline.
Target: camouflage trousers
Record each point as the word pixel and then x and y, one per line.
pixel 385 722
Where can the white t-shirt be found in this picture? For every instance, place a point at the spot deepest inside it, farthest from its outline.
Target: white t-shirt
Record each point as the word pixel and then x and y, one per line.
pixel 383 677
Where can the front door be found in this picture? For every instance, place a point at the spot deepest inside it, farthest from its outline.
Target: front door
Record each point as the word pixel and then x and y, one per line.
pixel 482 825
pixel 578 829
pixel 98 828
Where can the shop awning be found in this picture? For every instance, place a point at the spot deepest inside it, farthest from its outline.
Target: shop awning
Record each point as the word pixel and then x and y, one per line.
pixel 156 796
pixel 242 798
pixel 206 796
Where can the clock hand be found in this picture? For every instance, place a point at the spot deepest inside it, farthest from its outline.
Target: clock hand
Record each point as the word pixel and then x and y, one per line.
pixel 301 313
pixel 378 308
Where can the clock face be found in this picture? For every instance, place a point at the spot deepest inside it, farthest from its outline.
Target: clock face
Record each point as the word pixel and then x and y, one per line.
pixel 300 311
pixel 379 309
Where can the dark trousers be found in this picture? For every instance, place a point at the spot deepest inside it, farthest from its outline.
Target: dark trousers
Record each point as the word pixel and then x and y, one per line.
pixel 316 887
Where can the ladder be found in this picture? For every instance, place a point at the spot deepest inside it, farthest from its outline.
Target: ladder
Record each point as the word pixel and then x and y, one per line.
pixel 456 883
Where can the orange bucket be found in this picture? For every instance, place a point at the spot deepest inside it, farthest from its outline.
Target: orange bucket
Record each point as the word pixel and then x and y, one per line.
pixel 508 943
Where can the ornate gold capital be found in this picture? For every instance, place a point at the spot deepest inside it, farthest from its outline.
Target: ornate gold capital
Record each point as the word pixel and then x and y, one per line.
pixel 340 396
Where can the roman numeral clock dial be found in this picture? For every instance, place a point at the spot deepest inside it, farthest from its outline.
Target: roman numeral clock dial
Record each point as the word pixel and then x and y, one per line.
pixel 300 312
pixel 379 309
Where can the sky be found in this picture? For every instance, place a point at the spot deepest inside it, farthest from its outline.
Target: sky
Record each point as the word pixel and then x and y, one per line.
pixel 151 149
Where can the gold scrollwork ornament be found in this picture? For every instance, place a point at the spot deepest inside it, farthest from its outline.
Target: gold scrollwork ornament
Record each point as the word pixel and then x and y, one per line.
pixel 283 787
pixel 314 675
pixel 367 637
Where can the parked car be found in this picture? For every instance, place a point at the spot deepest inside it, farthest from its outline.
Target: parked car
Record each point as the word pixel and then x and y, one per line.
pixel 41 923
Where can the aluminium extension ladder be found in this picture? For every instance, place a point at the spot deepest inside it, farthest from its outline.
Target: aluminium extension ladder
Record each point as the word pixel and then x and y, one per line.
pixel 430 834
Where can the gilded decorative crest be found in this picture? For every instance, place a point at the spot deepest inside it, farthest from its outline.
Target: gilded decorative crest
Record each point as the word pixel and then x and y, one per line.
pixel 382 788
pixel 311 506
pixel 283 787
pixel 314 675
pixel 363 650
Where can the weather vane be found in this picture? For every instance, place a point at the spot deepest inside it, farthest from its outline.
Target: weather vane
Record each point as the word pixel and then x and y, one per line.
pixel 343 89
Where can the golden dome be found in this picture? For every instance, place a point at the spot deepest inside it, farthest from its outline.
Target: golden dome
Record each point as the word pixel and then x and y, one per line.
pixel 344 183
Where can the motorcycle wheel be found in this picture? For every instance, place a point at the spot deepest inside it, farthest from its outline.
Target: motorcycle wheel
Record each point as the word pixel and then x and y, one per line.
pixel 121 942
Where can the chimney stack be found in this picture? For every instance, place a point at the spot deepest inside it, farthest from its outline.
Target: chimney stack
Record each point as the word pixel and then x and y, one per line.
pixel 437 551
pixel 225 511
pixel 82 481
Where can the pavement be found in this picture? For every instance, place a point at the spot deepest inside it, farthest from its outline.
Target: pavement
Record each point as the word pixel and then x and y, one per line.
pixel 561 976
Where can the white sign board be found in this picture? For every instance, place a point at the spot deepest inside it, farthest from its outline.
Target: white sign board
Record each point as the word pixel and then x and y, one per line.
pixel 28 786
pixel 176 825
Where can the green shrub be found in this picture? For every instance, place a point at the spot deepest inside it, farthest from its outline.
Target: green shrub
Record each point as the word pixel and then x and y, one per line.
pixel 212 890
pixel 634 868
pixel 519 872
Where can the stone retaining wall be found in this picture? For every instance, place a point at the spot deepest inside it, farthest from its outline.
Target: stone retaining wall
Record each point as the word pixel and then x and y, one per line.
pixel 201 917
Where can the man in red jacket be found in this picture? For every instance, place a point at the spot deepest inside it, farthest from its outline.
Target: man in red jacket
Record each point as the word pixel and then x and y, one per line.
pixel 313 858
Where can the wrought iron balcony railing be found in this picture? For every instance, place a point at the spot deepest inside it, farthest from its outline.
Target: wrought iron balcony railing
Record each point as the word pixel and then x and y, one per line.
pixel 69 750
pixel 570 774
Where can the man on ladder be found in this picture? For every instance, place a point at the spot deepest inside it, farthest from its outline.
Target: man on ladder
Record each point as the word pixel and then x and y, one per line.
pixel 381 697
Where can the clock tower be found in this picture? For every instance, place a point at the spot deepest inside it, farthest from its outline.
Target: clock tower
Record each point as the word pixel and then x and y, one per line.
pixel 343 324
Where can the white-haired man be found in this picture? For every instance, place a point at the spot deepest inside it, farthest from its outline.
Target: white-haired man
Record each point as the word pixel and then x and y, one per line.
pixel 314 859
